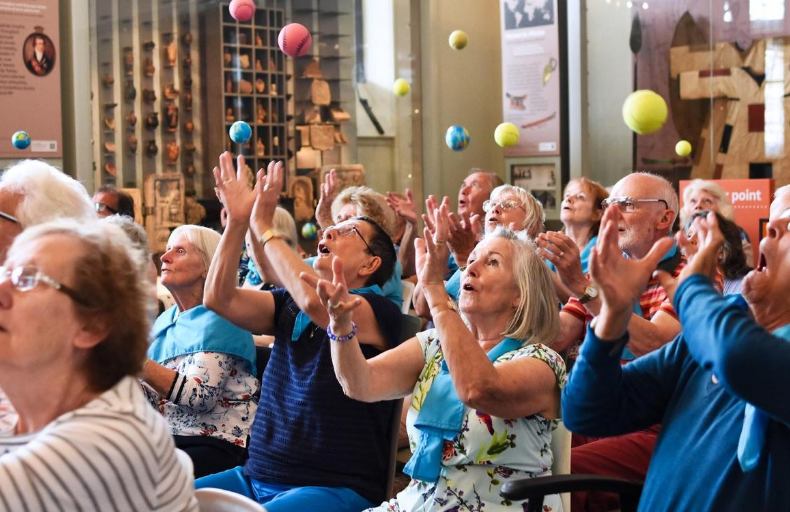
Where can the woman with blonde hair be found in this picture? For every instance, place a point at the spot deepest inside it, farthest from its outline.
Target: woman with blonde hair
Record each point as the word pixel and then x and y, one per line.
pixel 485 386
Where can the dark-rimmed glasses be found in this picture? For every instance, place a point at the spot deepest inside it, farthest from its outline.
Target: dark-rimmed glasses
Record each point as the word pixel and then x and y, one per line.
pixel 347 230
pixel 101 207
pixel 628 204
pixel 26 278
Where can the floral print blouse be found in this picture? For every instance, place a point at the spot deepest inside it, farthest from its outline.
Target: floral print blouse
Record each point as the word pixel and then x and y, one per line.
pixel 8 416
pixel 487 452
pixel 211 396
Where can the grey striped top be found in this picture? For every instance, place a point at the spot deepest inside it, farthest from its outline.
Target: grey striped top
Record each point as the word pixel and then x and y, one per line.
pixel 115 453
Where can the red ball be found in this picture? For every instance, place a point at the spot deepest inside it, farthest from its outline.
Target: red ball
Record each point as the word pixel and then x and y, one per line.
pixel 242 10
pixel 295 40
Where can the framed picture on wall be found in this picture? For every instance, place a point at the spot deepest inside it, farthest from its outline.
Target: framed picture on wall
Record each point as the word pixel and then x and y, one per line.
pixel 540 179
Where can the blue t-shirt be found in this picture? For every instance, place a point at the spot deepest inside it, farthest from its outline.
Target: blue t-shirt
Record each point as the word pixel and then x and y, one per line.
pixel 307 432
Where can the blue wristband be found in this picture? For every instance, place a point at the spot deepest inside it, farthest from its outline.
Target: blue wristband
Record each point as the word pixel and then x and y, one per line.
pixel 335 337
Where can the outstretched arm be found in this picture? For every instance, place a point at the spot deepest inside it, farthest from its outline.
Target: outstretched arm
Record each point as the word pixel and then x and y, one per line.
pixel 252 310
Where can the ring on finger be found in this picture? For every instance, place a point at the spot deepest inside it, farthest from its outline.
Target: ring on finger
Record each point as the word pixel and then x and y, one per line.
pixel 226 181
pixel 560 254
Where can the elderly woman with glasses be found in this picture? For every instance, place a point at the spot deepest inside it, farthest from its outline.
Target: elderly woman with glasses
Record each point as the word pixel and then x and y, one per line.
pixel 201 369
pixel 73 334
pixel 509 206
pixel 484 385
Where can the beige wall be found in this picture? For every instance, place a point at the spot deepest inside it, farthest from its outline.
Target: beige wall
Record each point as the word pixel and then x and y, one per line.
pixel 460 87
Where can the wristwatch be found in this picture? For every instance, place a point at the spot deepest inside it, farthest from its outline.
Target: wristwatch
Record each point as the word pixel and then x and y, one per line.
pixel 268 235
pixel 590 293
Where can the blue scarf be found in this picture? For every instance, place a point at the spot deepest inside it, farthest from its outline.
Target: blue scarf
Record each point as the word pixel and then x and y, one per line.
pixel 198 330
pixel 440 418
pixel 755 425
pixel 303 321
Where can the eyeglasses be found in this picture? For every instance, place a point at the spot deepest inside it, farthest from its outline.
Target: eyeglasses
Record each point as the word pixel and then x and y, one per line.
pixel 101 207
pixel 489 205
pixel 27 278
pixel 10 218
pixel 347 230
pixel 628 204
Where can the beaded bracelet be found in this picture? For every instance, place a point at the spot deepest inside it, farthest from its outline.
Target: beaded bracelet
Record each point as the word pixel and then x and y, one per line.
pixel 335 337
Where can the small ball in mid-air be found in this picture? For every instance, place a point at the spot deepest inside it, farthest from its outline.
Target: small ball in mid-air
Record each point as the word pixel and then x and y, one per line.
pixel 309 231
pixel 644 111
pixel 401 87
pixel 240 132
pixel 458 40
pixel 456 138
pixel 242 10
pixel 294 40
pixel 683 148
pixel 506 135
pixel 20 140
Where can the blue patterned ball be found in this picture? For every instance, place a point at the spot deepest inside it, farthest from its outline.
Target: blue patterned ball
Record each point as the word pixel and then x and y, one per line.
pixel 20 140
pixel 309 231
pixel 240 132
pixel 457 138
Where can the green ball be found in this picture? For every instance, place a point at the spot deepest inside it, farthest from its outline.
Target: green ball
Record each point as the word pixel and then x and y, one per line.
pixel 506 135
pixel 309 231
pixel 401 87
pixel 645 111
pixel 683 148
pixel 458 40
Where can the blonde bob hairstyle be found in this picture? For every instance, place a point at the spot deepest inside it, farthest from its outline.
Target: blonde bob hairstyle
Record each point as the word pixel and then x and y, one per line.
pixel 536 319
pixel 723 204
pixel 535 216
pixel 204 239
pixel 110 279
pixel 370 204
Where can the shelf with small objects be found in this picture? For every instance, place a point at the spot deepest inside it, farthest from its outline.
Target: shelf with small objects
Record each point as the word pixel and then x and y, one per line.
pixel 324 93
pixel 247 79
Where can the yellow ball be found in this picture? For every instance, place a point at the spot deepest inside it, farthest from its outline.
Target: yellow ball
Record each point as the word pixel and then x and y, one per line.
pixel 506 135
pixel 458 40
pixel 683 148
pixel 644 111
pixel 401 87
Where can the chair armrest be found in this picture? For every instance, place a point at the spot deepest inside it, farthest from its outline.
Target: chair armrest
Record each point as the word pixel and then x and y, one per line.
pixel 534 489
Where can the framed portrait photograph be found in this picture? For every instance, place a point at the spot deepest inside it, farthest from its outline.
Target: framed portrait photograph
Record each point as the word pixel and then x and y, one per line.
pixel 540 179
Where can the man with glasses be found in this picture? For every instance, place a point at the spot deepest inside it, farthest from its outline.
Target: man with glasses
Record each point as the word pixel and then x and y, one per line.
pixel 649 206
pixel 33 192
pixel 108 201
pixel 311 446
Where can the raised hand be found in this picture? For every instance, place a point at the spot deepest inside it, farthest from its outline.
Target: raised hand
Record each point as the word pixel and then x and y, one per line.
pixel 706 258
pixel 405 208
pixel 620 281
pixel 432 251
pixel 562 251
pixel 233 189
pixel 323 212
pixel 464 234
pixel 267 194
pixel 334 296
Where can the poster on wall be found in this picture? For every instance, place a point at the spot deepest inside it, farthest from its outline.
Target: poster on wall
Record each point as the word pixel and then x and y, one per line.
pixel 531 75
pixel 539 179
pixel 30 78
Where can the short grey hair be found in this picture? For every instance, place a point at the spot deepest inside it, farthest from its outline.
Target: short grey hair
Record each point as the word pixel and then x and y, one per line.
pixel 46 193
pixel 370 204
pixel 723 204
pixel 204 239
pixel 535 217
pixel 663 190
pixel 782 191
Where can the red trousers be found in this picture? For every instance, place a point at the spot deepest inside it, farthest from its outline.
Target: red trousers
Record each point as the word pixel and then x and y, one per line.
pixel 625 456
